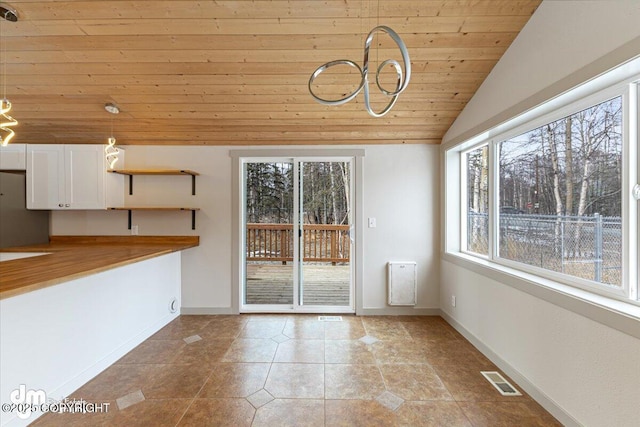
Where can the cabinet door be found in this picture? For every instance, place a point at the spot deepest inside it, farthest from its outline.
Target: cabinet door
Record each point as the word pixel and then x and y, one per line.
pixel 85 176
pixel 13 157
pixel 45 177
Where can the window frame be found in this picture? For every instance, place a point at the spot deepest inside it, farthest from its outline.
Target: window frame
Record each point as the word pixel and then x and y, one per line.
pixel 570 102
pixel 464 194
pixel 620 90
pixel 633 180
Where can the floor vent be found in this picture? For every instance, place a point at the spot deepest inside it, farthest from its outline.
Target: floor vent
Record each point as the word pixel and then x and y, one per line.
pixel 502 385
pixel 330 318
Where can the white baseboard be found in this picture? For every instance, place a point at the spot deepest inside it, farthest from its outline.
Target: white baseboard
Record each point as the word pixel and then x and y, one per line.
pixel 538 395
pixel 399 311
pixel 388 311
pixel 207 310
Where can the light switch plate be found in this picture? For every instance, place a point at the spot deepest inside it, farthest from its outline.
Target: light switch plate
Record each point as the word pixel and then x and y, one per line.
pixel 372 223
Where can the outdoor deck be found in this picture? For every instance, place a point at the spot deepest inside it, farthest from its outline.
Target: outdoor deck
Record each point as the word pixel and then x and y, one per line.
pixel 272 283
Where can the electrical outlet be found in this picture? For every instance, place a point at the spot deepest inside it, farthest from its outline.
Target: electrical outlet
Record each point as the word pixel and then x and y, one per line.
pixel 453 300
pixel 134 230
pixel 372 223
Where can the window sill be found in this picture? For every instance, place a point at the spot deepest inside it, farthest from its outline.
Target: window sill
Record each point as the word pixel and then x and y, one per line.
pixel 620 315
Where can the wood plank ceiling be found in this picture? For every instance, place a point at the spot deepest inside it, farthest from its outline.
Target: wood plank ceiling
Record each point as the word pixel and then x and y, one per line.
pixel 233 72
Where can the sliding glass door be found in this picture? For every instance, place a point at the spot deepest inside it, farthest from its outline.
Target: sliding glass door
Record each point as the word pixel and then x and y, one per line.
pixel 297 235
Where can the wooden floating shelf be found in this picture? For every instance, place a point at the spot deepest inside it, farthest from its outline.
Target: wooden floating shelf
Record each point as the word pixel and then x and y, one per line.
pixel 151 208
pixel 132 172
pixel 159 208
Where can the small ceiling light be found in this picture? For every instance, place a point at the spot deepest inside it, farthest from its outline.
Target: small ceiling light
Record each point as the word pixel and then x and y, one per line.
pixel 6 121
pixel 110 151
pixel 111 108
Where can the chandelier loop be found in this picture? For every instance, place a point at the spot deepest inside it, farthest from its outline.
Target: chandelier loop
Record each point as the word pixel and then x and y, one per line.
pixel 401 82
pixel 328 65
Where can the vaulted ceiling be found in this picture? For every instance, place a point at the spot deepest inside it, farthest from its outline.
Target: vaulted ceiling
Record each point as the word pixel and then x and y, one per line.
pixel 234 72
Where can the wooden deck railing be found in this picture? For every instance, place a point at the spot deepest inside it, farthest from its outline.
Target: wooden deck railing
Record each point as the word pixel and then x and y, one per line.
pixel 321 242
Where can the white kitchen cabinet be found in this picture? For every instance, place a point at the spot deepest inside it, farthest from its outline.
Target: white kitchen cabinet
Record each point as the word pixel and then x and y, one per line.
pixel 66 176
pixel 13 157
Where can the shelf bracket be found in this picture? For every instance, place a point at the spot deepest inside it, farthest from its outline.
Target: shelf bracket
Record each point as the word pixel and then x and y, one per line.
pixel 193 185
pixel 129 219
pixel 193 219
pixel 130 185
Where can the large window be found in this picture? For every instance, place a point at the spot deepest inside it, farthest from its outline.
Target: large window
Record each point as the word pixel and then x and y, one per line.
pixel 560 195
pixel 550 194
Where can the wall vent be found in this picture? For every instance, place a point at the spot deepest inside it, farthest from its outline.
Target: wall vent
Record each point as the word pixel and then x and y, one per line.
pixel 402 278
pixel 330 318
pixel 500 383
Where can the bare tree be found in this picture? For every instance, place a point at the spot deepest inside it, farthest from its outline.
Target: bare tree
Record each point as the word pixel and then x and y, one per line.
pixel 346 178
pixel 555 170
pixel 568 166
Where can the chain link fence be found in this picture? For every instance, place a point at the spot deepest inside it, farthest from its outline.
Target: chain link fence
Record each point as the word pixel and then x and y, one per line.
pixel 589 247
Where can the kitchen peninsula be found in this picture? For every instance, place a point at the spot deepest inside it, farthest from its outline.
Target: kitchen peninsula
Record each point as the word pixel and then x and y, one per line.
pixel 67 315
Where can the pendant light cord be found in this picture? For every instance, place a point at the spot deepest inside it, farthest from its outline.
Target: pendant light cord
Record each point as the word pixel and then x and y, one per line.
pixel 6 121
pixel 377 38
pixel 3 55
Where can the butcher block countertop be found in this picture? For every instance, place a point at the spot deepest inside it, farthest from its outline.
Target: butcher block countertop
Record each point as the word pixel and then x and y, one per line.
pixel 73 257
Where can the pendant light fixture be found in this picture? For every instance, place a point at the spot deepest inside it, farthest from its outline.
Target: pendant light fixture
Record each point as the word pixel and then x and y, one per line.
pixel 402 77
pixel 6 121
pixel 111 151
pixel 401 82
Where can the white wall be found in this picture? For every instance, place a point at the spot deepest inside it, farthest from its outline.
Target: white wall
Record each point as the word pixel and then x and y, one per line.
pixel 400 190
pixel 589 370
pixel 58 338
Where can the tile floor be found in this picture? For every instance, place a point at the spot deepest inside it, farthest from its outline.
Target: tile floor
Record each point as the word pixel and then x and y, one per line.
pixel 294 370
